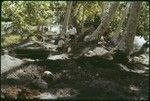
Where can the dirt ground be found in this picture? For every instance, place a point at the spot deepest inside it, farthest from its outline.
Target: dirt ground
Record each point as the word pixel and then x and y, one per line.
pixel 83 78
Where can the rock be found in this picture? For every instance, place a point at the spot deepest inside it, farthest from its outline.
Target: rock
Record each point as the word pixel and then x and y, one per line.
pixel 48 75
pixel 28 94
pixel 6 52
pixel 12 92
pixel 26 44
pixel 2 96
pixel 56 57
pixel 40 83
pixel 107 56
pixel 66 93
pixel 138 71
pixel 30 60
pixel 143 56
pixel 87 38
pixel 52 41
pixel 144 59
pixel 46 95
pixel 138 42
pixel 90 53
pixel 123 67
pixel 9 63
pixel 99 51
pixel 50 46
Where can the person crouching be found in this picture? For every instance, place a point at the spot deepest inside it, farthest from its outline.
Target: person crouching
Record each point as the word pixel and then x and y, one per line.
pixel 60 45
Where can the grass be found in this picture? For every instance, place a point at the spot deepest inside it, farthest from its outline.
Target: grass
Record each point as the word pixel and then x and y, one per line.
pixel 11 39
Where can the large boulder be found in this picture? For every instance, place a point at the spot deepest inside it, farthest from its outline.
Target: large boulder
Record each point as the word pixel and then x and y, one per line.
pixel 144 59
pixel 46 95
pixel 9 63
pixel 58 57
pixel 99 51
pixel 40 83
pixel 138 43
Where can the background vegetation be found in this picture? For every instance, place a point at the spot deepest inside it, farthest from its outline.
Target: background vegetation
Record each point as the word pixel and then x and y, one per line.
pixel 27 15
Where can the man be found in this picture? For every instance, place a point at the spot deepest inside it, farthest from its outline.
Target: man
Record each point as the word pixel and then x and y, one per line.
pixel 72 32
pixel 60 44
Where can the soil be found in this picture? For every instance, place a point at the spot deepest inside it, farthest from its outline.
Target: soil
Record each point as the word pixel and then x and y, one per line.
pixel 82 78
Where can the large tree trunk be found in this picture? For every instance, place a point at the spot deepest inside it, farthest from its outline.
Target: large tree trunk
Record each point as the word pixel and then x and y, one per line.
pixel 116 35
pixel 126 43
pixel 74 16
pixel 105 7
pixel 124 15
pixel 66 20
pixel 78 49
pixel 107 18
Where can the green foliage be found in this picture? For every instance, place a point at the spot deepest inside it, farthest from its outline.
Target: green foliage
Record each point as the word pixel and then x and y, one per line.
pixel 10 40
pixel 89 13
pixel 59 9
pixel 27 15
pixel 143 26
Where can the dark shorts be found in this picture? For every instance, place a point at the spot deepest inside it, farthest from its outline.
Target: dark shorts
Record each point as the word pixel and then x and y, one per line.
pixel 59 49
pixel 72 37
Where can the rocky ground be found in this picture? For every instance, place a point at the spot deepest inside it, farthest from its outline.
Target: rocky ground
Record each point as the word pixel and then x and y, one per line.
pixel 83 78
pixel 93 76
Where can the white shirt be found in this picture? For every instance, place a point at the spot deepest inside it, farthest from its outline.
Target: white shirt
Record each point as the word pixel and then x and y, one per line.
pixel 72 31
pixel 61 43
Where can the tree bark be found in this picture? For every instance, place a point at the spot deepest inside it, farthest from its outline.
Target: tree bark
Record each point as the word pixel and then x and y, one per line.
pixel 66 20
pixel 124 15
pixel 107 18
pixel 105 7
pixel 126 43
pixel 74 17
pixel 78 49
pixel 82 24
pixel 116 35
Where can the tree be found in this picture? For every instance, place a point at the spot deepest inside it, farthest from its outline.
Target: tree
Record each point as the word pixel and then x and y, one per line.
pixel 66 20
pixel 82 24
pixel 25 14
pixel 115 36
pixel 107 18
pixel 78 49
pixel 126 43
pixel 92 9
pixel 124 15
pixel 143 26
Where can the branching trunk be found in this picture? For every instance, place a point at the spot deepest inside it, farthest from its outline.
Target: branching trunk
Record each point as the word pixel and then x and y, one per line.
pixel 107 18
pixel 81 47
pixel 126 43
